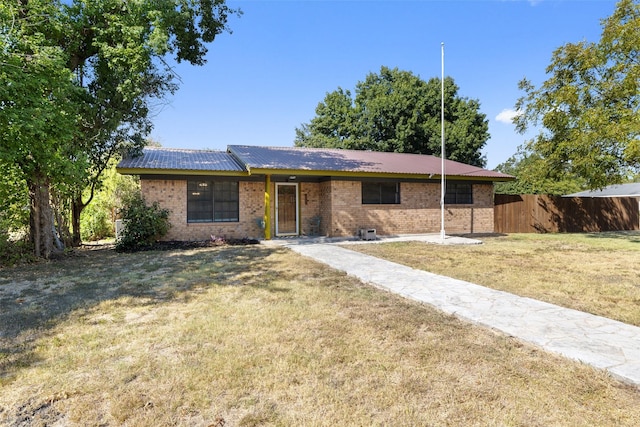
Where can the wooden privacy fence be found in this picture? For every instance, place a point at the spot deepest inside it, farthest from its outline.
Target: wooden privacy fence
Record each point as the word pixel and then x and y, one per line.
pixel 549 214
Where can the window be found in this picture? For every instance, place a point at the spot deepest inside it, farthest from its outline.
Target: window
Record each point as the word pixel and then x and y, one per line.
pixel 199 201
pixel 212 201
pixel 458 194
pixel 380 193
pixel 225 201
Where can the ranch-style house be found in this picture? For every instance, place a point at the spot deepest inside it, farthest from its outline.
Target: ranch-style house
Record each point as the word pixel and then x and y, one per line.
pixel 266 192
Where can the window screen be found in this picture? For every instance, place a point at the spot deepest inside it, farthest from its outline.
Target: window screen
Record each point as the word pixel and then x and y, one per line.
pixel 225 201
pixel 380 193
pixel 199 201
pixel 459 194
pixel 212 201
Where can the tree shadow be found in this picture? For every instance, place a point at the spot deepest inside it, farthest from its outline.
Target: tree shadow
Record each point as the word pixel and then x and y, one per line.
pixel 553 214
pixel 631 236
pixel 589 215
pixel 34 300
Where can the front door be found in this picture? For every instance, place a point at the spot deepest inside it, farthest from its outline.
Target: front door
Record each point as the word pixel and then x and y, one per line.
pixel 286 209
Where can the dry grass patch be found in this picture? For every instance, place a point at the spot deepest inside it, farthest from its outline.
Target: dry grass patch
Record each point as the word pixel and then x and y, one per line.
pixel 596 273
pixel 260 336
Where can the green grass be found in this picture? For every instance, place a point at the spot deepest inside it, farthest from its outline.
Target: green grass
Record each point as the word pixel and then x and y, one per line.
pixel 248 336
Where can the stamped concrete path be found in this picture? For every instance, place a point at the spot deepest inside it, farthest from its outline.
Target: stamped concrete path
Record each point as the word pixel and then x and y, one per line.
pixel 600 342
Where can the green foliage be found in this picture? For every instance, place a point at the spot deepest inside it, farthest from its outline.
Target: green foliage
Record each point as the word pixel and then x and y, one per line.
pixel 14 219
pixel 96 223
pixel 98 219
pixel 14 251
pixel 116 49
pixel 37 109
pixel 14 199
pixel 589 108
pixel 143 225
pixel 532 177
pixel 397 111
pixel 81 76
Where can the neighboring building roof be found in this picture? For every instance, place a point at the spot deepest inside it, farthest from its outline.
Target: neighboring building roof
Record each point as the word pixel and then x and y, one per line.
pixel 353 161
pixel 174 159
pixel 247 160
pixel 618 190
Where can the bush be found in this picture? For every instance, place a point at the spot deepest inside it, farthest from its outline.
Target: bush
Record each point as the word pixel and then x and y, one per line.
pixel 95 223
pixel 15 251
pixel 143 225
pixel 97 219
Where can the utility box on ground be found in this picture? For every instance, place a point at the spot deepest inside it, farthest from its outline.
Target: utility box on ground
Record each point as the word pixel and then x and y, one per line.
pixel 368 233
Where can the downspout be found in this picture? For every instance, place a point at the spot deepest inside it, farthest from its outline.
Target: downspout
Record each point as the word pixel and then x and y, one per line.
pixel 267 207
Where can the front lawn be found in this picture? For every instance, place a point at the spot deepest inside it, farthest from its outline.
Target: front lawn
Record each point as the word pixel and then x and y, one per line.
pixel 597 272
pixel 253 335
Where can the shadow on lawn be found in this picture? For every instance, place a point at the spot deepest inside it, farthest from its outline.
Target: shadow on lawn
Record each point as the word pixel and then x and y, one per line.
pixel 632 236
pixel 35 299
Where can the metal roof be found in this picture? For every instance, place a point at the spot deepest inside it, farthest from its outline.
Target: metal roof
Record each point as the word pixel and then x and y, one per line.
pixel 618 190
pixel 181 159
pixel 246 159
pixel 338 160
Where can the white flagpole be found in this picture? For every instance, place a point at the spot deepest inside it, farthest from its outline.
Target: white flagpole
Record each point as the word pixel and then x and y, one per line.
pixel 442 154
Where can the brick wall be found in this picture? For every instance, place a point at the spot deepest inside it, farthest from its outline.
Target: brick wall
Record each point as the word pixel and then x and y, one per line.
pixel 172 195
pixel 325 208
pixel 339 205
pixel 310 202
pixel 419 211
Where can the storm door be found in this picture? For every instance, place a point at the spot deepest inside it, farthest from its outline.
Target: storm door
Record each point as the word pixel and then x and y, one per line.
pixel 286 209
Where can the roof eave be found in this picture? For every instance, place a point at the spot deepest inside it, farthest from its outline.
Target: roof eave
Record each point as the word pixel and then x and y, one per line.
pixel 354 174
pixel 189 172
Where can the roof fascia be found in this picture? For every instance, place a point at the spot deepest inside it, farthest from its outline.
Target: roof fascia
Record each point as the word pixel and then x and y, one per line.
pixel 348 174
pixel 145 171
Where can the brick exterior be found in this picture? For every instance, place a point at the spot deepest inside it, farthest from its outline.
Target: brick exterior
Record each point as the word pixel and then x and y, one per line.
pixel 418 212
pixel 172 194
pixel 339 205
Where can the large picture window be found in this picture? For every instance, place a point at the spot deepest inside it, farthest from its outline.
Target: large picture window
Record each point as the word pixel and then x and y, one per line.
pixel 212 201
pixel 459 194
pixel 380 193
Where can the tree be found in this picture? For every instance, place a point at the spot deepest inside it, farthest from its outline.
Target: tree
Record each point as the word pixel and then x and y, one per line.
pixel 38 112
pixel 588 109
pixel 116 50
pixel 532 176
pixel 397 111
pixel 81 76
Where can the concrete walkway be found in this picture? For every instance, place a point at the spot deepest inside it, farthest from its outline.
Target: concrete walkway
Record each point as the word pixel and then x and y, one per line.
pixel 594 340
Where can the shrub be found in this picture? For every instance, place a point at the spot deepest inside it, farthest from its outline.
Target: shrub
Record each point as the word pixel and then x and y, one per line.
pixel 15 251
pixel 95 223
pixel 143 225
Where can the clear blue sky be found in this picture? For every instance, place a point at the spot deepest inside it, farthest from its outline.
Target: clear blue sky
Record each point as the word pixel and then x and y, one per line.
pixel 267 77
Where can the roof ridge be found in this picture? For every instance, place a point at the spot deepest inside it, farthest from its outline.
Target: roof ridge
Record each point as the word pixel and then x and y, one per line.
pixel 185 150
pixel 272 147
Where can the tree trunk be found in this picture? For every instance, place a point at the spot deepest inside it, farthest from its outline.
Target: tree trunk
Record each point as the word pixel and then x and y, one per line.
pixel 61 219
pixel 76 209
pixel 41 218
